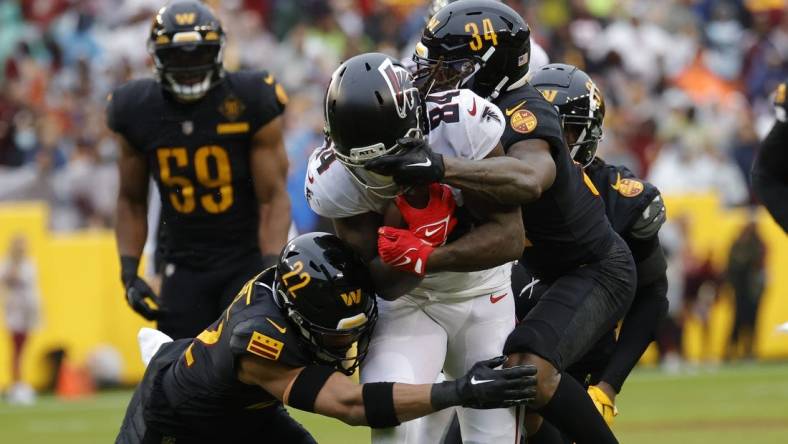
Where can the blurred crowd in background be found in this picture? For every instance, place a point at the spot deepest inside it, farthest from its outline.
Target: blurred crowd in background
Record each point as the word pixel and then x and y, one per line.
pixel 687 86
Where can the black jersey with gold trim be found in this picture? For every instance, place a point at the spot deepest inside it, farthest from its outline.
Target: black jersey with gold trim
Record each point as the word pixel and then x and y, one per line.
pixel 199 390
pixel 198 153
pixel 636 210
pixel 566 227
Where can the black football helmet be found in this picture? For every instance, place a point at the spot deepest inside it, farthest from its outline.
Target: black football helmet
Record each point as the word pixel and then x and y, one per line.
pixel 371 103
pixel 327 293
pixel 482 45
pixel 580 104
pixel 186 43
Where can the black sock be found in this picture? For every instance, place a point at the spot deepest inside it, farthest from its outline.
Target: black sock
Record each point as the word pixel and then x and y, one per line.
pixel 547 434
pixel 572 411
pixel 637 332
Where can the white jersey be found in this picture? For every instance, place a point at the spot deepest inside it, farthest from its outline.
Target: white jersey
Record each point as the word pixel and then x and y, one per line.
pixel 462 125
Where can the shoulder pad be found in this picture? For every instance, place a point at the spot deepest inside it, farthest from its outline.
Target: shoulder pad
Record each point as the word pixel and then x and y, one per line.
pixel 127 102
pixel 266 97
pixel 470 129
pixel 647 225
pixel 268 337
pixel 529 116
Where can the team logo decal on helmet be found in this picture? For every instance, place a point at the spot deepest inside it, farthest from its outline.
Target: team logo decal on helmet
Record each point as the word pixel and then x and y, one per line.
pixel 396 76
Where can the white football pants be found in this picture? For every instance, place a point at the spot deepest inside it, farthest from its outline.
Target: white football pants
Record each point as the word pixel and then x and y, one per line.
pixel 415 338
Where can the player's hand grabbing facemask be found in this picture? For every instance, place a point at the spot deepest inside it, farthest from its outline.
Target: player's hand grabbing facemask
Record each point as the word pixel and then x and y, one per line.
pixel 403 250
pixel 781 102
pixel 434 222
pixel 139 295
pixel 485 387
pixel 416 164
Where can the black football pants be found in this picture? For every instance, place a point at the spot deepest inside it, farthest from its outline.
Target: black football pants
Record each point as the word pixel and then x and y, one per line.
pixel 192 299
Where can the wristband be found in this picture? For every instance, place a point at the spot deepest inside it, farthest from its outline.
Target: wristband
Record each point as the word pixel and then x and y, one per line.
pixel 379 404
pixel 128 268
pixel 444 395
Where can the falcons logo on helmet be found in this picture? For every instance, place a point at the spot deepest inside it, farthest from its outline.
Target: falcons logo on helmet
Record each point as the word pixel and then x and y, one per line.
pixel 397 79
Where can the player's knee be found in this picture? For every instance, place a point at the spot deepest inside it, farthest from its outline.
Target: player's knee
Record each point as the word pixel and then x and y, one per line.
pixel 547 377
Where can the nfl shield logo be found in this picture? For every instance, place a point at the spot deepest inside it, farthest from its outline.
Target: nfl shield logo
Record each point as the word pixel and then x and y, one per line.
pixel 187 127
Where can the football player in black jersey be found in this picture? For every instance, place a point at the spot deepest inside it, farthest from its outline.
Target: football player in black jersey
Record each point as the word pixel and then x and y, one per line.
pixel 213 143
pixel 636 211
pixel 287 338
pixel 484 45
pixel 770 169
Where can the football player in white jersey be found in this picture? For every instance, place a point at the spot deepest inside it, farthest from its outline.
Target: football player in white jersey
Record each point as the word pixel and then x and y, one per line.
pixel 457 305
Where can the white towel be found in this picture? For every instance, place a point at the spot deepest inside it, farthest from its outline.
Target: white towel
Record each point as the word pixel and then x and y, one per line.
pixel 150 340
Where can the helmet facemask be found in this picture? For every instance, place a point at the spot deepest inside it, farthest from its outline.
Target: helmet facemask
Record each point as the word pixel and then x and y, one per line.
pixel 381 186
pixel 582 135
pixel 188 67
pixel 343 347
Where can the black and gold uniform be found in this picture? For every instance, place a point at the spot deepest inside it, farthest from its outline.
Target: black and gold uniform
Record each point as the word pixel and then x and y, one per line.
pixel 636 211
pixel 198 154
pixel 191 392
pixel 570 246
pixel 194 128
pixel 305 313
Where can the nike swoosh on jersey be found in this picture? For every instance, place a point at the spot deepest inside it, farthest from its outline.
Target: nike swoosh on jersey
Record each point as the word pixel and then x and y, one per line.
pixel 617 185
pixel 510 111
pixel 472 111
pixel 426 163
pixel 282 330
pixel 269 80
pixel 475 381
pixel 494 298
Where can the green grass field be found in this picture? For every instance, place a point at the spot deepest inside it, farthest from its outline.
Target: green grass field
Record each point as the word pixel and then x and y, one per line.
pixel 735 404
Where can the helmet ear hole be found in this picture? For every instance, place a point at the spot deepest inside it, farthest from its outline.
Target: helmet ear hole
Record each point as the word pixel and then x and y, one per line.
pixel 380 98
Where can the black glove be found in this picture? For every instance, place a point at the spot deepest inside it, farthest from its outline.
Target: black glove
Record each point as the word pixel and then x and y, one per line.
pixel 485 388
pixel 781 102
pixel 417 164
pixel 139 295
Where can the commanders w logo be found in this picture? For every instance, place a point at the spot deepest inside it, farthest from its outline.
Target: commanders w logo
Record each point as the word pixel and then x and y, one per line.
pixel 352 297
pixel 186 18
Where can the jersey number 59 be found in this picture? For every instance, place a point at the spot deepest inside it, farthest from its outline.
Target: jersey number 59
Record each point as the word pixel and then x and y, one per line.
pixel 218 181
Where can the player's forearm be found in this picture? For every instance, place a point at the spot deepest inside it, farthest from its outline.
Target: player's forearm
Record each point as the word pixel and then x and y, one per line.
pixel 131 228
pixel 500 179
pixel 488 245
pixel 274 224
pixel 389 282
pixel 411 401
